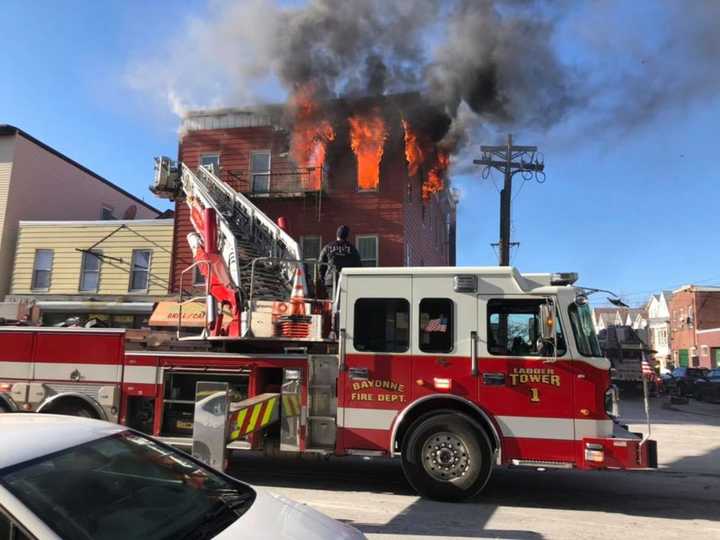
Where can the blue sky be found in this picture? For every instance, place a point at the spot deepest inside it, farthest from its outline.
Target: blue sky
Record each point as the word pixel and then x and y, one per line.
pixel 630 210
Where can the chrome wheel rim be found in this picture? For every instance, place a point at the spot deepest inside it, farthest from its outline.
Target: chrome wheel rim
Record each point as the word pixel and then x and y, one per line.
pixel 445 457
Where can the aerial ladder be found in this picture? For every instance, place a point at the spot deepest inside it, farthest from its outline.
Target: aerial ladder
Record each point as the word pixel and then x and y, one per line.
pixel 244 255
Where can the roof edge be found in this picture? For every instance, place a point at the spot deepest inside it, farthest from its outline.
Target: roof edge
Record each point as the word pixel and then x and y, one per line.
pixel 95 222
pixel 7 129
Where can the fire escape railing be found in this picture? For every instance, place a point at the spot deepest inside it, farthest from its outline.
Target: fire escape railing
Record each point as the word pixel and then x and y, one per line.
pixel 287 182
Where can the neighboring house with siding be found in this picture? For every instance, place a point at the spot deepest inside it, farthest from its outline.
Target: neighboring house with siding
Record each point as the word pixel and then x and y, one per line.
pixel 113 271
pixel 658 310
pixel 39 183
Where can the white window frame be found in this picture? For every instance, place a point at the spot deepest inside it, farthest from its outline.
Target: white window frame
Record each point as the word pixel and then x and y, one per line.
pixel 377 246
pixel 35 269
pixel 98 256
pixel 215 155
pixel 253 174
pixel 132 264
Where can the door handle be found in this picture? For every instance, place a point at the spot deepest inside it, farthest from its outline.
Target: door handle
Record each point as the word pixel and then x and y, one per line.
pixel 494 379
pixel 473 354
pixel 358 373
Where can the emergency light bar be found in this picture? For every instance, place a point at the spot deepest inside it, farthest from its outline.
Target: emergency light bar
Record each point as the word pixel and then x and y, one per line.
pixel 563 278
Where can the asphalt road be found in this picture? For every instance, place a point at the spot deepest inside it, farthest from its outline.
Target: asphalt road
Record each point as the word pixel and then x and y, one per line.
pixel 679 500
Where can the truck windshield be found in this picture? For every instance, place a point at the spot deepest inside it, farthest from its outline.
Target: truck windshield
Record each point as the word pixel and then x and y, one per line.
pixel 126 486
pixel 584 330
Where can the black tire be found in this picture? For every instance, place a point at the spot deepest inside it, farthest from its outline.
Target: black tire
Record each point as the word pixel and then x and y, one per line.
pixel 447 457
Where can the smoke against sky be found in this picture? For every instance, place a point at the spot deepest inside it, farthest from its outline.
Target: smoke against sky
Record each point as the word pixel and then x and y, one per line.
pixel 528 65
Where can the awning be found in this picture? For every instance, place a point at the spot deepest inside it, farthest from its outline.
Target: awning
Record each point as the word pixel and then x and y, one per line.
pixel 123 308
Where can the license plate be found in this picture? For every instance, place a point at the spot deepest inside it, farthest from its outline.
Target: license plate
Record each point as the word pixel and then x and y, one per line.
pixel 183 425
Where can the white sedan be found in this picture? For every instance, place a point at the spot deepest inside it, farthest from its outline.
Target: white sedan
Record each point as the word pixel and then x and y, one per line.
pixel 71 478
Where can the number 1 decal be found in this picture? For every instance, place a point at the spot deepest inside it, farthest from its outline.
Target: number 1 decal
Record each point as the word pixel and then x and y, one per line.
pixel 534 395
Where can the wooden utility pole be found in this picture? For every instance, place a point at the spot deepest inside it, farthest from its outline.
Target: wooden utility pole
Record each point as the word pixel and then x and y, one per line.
pixel 505 159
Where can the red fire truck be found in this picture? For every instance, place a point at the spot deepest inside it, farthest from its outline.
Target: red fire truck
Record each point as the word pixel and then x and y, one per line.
pixel 455 371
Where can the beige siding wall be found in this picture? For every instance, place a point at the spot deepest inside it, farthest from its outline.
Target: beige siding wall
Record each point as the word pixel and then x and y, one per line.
pixel 46 187
pixel 65 239
pixel 7 151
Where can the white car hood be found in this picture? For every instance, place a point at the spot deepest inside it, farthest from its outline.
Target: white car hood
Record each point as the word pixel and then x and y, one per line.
pixel 275 516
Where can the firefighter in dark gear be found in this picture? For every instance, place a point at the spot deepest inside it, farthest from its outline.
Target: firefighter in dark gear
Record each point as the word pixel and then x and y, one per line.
pixel 336 256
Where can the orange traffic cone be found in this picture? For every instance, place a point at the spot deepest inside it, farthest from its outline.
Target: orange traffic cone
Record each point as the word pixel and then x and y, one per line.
pixel 297 324
pixel 297 296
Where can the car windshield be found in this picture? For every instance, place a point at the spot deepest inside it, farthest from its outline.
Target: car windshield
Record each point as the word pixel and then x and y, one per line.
pixel 584 330
pixel 126 486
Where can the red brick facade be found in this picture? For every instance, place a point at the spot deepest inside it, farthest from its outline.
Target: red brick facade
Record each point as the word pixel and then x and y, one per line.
pixel 409 230
pixel 695 326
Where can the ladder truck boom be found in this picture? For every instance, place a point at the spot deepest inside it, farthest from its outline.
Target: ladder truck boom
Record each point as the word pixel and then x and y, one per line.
pixel 230 233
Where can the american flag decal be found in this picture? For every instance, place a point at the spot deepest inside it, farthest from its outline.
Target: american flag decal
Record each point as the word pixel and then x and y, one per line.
pixel 436 325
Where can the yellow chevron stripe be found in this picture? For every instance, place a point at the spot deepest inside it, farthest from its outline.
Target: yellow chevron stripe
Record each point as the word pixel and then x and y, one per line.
pixel 238 424
pixel 253 418
pixel 268 412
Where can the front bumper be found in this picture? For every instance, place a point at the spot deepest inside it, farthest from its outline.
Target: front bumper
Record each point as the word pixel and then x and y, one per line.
pixel 624 450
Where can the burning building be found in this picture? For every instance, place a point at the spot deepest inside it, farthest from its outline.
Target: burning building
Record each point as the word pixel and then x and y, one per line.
pixel 374 163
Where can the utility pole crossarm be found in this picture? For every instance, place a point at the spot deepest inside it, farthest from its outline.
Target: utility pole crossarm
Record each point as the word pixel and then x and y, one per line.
pixel 514 166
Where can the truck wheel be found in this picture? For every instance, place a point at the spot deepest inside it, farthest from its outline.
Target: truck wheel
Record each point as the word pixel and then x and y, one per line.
pixel 447 457
pixel 74 408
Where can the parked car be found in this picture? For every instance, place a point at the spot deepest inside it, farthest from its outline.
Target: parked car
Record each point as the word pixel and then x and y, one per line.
pixel 682 379
pixel 707 388
pixel 74 478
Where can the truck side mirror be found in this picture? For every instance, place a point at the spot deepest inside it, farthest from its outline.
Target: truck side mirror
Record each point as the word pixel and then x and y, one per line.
pixel 546 343
pixel 547 321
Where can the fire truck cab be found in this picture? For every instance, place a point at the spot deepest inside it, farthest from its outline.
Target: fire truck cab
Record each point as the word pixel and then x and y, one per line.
pixel 456 369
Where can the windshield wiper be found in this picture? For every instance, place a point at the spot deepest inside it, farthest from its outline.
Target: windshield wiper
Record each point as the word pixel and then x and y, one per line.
pixel 229 505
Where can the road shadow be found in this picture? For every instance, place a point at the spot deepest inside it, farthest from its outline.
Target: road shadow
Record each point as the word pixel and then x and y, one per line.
pixel 648 494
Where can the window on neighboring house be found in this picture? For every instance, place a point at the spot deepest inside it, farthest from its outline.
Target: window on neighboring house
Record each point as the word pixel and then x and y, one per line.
pixel 140 270
pixel 90 271
pixel 311 246
pixel 42 269
pixel 382 325
pixel 436 325
pixel 260 171
pixel 368 248
pixel 198 278
pixel 211 161
pixel 107 213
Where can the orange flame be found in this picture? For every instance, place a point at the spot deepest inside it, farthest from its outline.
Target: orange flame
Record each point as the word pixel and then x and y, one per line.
pixel 413 151
pixel 310 136
pixel 367 140
pixel 434 182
